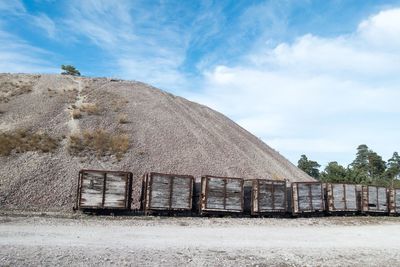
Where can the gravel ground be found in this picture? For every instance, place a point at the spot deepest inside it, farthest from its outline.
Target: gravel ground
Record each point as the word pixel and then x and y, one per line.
pixel 167 134
pixel 161 241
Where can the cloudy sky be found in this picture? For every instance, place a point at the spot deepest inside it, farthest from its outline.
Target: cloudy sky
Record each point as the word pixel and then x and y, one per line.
pixel 307 77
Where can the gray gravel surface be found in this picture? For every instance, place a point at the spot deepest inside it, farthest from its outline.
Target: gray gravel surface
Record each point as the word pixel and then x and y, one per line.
pixel 167 134
pixel 162 241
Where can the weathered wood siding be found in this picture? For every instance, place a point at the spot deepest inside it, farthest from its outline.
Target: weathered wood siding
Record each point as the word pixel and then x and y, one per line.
pixel 223 194
pixel 268 196
pixel 307 197
pixel 92 184
pixel 374 199
pixel 103 189
pixel 341 197
pixel 394 200
pixel 168 192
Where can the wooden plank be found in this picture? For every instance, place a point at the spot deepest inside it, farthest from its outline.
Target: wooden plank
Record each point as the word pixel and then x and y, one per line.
pixel 351 197
pixel 181 193
pixel 317 197
pixel 295 198
pixel 338 192
pixel 115 193
pixel 234 194
pixel 160 191
pixel 307 197
pixel 304 199
pixel 372 198
pixel 98 189
pixel 341 197
pixel 170 192
pixel 382 199
pixel 397 200
pixel 271 196
pixel 92 190
pixel 222 194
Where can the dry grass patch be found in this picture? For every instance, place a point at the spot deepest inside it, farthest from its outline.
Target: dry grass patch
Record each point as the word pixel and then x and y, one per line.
pixel 123 118
pixel 98 142
pixel 76 114
pixel 22 141
pixel 117 105
pixel 10 89
pixel 90 108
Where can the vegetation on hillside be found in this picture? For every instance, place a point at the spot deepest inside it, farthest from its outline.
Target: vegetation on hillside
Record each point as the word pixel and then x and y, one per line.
pixel 99 142
pixel 367 168
pixel 70 70
pixel 23 141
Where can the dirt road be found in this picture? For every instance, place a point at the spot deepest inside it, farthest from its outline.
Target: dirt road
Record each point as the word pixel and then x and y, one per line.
pixel 152 241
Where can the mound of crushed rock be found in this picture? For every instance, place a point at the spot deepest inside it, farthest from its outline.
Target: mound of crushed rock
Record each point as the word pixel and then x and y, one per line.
pixel 99 123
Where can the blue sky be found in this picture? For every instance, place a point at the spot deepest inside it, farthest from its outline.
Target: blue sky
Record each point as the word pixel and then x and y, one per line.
pixel 312 77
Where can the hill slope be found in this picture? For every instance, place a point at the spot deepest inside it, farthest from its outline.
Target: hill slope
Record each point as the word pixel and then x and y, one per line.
pixel 165 133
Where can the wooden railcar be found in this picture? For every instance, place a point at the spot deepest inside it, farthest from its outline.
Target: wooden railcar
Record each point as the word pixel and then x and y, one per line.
pixel 169 193
pixel 307 197
pixel 268 196
pixel 221 195
pixel 341 198
pixel 394 201
pixel 104 190
pixel 374 199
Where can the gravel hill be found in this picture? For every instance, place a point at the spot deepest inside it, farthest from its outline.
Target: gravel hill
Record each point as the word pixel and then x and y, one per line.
pixel 160 131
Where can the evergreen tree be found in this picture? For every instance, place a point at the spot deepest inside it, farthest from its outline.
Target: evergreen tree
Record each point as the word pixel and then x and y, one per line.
pixel 334 172
pixel 376 166
pixel 70 70
pixel 393 168
pixel 309 166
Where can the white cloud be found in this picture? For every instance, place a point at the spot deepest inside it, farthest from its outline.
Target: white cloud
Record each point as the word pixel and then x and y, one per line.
pixel 16 55
pixel 14 7
pixel 137 49
pixel 43 22
pixel 309 96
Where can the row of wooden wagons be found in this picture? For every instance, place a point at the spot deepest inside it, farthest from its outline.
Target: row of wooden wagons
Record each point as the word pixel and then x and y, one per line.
pixel 181 194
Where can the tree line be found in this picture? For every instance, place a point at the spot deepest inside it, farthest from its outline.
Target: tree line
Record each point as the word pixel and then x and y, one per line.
pixel 367 168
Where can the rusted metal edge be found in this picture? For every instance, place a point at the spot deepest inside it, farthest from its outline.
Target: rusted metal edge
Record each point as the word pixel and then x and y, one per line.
pixel 79 192
pixel 225 177
pixel 101 171
pixel 170 174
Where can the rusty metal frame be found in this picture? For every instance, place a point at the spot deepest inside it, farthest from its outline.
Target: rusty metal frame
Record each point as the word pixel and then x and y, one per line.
pixel 171 176
pixel 273 183
pixel 311 210
pixel 128 176
pixel 205 178
pixel 333 208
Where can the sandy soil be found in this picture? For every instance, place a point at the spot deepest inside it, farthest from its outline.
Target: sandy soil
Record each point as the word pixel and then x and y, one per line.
pixel 154 241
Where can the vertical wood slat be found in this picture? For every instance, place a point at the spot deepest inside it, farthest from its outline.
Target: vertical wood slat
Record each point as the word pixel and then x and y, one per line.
pixel 306 195
pixel 268 196
pixel 394 203
pixel 221 194
pixel 168 192
pixel 374 199
pixel 341 197
pixel 95 193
